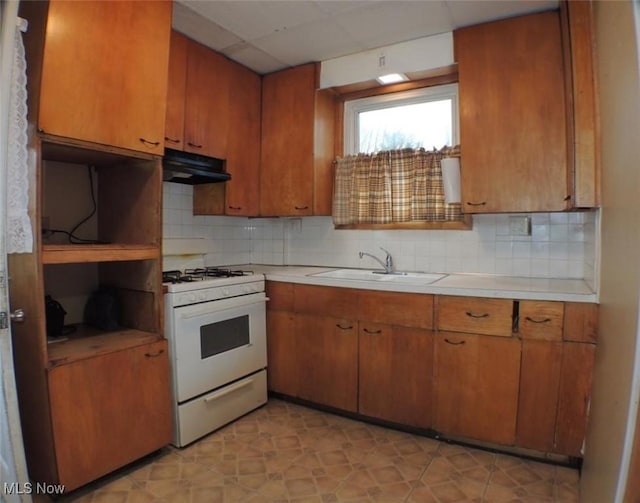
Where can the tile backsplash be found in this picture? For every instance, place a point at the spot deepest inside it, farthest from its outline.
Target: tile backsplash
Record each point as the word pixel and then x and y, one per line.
pixel 561 245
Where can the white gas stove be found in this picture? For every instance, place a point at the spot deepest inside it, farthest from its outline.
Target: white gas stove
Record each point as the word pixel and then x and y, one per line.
pixel 215 323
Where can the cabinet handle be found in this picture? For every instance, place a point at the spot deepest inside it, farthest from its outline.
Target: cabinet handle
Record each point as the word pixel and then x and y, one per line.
pixel 152 143
pixel 477 204
pixel 543 320
pixel 373 332
pixel 172 140
pixel 301 207
pixel 154 355
pixel 344 328
pixel 194 145
pixel 568 198
pixel 235 207
pixel 471 315
pixel 454 343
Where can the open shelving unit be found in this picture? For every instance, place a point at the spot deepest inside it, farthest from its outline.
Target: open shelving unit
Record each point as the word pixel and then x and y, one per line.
pixel 111 199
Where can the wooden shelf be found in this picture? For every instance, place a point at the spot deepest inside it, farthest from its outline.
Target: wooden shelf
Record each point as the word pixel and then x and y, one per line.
pixel 87 342
pixel 69 254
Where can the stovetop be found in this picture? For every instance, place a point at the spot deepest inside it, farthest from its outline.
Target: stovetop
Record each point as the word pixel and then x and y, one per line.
pixel 201 274
pixel 211 278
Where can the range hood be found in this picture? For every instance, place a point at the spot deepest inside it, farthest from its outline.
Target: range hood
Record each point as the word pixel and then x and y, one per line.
pixel 192 169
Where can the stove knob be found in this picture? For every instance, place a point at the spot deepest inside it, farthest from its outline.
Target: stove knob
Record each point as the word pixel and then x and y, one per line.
pixel 192 297
pixel 225 292
pixel 202 296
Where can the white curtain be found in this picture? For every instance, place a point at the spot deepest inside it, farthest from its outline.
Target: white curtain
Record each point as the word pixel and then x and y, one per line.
pixel 19 234
pixel 12 461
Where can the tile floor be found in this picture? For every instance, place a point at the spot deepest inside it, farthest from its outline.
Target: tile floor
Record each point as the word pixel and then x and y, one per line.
pixel 288 453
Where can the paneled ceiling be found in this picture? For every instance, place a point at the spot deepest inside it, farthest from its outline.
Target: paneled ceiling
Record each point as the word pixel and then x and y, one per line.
pixel 268 35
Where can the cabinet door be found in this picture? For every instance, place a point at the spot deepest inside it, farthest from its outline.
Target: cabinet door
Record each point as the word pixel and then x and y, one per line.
pixel 328 361
pixel 282 353
pixel 288 110
pixel 104 74
pixel 574 396
pixel 243 159
pixel 176 91
pixel 109 410
pixel 475 397
pixel 395 367
pixel 538 401
pixel 241 194
pixel 512 115
pixel 207 103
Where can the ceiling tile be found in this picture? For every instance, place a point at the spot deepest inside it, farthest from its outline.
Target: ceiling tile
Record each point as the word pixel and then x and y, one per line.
pixel 322 40
pixel 252 57
pixel 386 23
pixel 267 35
pixel 255 19
pixel 470 12
pixel 201 29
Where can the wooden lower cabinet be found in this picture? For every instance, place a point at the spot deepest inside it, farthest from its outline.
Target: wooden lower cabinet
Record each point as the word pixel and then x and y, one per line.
pixel 395 373
pixel 108 411
pixel 327 360
pixel 476 386
pixel 525 384
pixel 282 351
pixel 538 401
pixel 555 388
pixel 573 397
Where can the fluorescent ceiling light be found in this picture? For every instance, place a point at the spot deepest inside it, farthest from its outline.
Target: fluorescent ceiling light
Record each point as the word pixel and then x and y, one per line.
pixel 392 78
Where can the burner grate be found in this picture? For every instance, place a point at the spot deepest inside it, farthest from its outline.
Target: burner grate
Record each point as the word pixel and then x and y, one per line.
pixel 199 274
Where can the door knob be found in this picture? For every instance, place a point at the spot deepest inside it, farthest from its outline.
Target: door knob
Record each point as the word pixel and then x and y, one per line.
pixel 18 315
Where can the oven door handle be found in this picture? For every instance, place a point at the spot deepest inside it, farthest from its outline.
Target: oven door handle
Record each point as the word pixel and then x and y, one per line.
pixel 234 387
pixel 207 311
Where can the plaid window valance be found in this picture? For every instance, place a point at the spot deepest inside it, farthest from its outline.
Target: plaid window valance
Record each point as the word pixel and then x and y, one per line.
pixel 391 187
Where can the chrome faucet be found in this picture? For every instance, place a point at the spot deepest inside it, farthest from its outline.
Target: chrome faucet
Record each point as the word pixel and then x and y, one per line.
pixel 387 264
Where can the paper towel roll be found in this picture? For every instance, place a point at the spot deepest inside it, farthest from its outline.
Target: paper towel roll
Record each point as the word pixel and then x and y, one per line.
pixel 451 179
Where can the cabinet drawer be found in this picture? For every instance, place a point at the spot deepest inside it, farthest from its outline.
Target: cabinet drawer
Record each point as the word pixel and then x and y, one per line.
pixel 475 315
pixel 325 301
pixel 541 320
pixel 393 308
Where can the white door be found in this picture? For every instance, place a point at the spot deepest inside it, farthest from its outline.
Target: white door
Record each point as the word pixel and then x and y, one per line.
pixel 13 473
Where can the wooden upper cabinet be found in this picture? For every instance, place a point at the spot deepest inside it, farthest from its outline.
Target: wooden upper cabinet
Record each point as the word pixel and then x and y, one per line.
pixel 176 92
pixel 297 143
pixel 243 158
pixel 207 102
pixel 104 72
pixel 239 196
pixel 513 130
pixel 582 107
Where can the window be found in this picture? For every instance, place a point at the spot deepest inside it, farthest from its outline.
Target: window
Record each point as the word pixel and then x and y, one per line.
pixel 426 117
pixel 390 175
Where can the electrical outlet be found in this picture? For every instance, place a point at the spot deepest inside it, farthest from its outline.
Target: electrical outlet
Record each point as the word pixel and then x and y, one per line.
pixel 295 225
pixel 520 225
pixel 45 229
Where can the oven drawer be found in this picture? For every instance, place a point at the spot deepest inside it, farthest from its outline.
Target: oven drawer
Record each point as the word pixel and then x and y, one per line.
pixel 209 412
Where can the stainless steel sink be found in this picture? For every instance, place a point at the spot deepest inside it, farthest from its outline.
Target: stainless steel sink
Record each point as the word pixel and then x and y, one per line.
pixel 404 278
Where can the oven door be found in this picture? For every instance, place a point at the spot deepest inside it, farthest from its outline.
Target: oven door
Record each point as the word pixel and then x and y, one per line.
pixel 218 342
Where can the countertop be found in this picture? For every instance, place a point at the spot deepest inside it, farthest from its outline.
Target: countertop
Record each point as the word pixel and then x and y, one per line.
pixel 470 285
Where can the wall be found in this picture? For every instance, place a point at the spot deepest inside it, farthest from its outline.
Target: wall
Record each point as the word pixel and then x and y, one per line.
pixel 561 245
pixel 614 398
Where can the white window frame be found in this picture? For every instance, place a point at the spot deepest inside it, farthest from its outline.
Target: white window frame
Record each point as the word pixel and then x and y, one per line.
pixel 353 108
